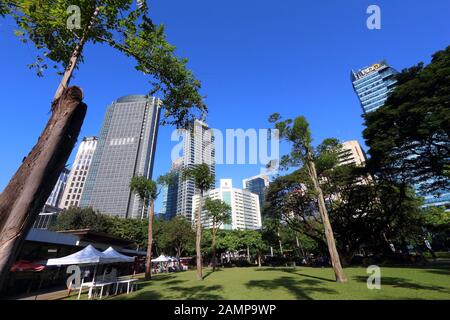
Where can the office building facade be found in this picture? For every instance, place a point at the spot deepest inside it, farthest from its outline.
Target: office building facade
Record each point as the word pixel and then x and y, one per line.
pixel 55 198
pixel 78 174
pixel 258 185
pixel 373 85
pixel 125 148
pixel 245 210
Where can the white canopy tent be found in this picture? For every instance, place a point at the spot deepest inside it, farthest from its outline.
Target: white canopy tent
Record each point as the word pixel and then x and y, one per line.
pixel 161 258
pixel 112 253
pixel 88 255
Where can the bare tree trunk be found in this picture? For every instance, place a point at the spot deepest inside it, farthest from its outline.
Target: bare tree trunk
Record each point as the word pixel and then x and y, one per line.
pixel 198 238
pixel 259 259
pixel 331 243
pixel 26 193
pixel 75 56
pixel 214 260
pixel 148 261
pixel 248 254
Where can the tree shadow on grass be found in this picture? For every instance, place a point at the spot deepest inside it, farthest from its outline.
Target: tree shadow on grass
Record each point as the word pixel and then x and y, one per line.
pixel 296 272
pixel 301 289
pixel 441 271
pixel 403 283
pixel 210 272
pixel 200 292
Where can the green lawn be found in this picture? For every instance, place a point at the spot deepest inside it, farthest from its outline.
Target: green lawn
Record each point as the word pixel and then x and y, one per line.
pixel 299 283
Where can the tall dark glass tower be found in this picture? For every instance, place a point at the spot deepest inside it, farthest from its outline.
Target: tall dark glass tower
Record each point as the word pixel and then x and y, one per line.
pixel 126 148
pixel 373 85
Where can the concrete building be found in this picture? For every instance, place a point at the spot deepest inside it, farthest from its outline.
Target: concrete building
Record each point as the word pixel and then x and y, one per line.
pixel 54 200
pixel 373 84
pixel 258 185
pixel 245 210
pixel 352 153
pixel 198 147
pixel 80 169
pixel 126 148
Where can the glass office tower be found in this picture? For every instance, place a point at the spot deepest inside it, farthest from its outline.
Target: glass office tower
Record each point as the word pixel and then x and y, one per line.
pixel 126 148
pixel 373 85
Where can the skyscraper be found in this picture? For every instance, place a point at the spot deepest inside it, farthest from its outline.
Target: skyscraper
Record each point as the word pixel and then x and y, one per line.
pixel 55 197
pixel 245 210
pixel 373 85
pixel 126 148
pixel 198 147
pixel 80 169
pixel 258 185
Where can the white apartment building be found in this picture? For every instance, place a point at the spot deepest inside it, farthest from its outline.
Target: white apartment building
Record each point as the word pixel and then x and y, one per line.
pixel 77 177
pixel 245 210
pixel 352 153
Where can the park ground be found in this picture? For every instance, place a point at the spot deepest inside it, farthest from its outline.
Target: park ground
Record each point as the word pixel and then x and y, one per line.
pixel 296 283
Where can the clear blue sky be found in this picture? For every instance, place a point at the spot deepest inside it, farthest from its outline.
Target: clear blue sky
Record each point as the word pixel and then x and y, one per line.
pixel 254 57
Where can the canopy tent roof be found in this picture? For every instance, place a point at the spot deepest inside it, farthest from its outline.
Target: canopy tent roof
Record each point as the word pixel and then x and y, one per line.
pixel 88 255
pixel 161 258
pixel 110 252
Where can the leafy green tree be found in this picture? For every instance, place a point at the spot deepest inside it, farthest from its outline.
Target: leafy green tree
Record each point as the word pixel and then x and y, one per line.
pixel 204 180
pixel 177 234
pixel 408 137
pixel 364 213
pixel 297 132
pixel 255 243
pixel 218 213
pixel 135 230
pixel 436 222
pixel 77 218
pixel 121 24
pixel 147 191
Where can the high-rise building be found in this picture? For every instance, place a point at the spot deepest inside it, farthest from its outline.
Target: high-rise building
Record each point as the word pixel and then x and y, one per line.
pixel 245 210
pixel 171 191
pixel 373 85
pixel 198 147
pixel 352 153
pixel 126 148
pixel 258 185
pixel 54 200
pixel 80 169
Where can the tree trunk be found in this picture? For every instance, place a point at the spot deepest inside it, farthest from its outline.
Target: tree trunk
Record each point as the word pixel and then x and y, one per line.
pixel 331 243
pixel 148 261
pixel 198 238
pixel 214 259
pixel 26 193
pixel 259 259
pixel 248 254
pixel 71 66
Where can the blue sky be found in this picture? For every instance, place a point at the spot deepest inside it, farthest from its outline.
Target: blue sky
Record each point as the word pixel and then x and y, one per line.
pixel 254 57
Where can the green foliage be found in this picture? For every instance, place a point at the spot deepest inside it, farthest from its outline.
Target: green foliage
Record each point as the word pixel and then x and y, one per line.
pixel 409 136
pixel 121 25
pixel 364 213
pixel 218 211
pixel 175 236
pixel 76 218
pixel 201 174
pixel 135 230
pixel 297 132
pixel 146 189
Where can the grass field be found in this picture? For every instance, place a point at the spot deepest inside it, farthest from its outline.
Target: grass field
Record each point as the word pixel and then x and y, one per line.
pixel 296 283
